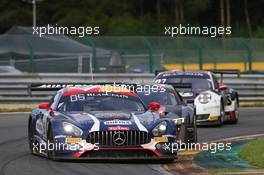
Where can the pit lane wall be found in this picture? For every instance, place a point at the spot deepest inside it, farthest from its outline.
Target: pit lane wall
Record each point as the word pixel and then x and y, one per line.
pixel 15 88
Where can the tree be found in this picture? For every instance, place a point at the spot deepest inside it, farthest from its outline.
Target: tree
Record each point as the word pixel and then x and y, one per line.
pixel 222 13
pixel 158 10
pixel 177 11
pixel 138 17
pixel 247 18
pixel 228 14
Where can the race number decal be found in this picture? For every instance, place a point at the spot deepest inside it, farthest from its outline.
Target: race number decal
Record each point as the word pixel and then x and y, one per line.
pixel 163 80
pixel 229 100
pixel 77 97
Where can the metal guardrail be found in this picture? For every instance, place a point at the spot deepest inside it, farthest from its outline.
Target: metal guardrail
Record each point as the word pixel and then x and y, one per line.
pixel 15 88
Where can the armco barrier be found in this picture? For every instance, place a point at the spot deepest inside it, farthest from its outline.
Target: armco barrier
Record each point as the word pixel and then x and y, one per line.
pixel 15 88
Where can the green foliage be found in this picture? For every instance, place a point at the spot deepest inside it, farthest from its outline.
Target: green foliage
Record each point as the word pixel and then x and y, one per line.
pixel 253 153
pixel 126 17
pixel 259 33
pixel 196 6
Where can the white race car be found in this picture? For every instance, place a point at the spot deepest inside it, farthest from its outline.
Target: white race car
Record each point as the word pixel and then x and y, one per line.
pixel 214 102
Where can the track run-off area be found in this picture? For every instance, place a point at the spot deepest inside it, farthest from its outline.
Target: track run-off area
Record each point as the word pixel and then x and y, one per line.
pixel 16 159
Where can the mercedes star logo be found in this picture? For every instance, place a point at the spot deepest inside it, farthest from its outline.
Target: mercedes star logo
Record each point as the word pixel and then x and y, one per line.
pixel 119 138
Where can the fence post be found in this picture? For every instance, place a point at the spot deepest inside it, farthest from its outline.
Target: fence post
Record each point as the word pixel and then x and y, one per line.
pixel 200 52
pixel 12 62
pixel 92 44
pixel 150 48
pixel 183 64
pixel 31 58
pixel 247 43
pixel 80 64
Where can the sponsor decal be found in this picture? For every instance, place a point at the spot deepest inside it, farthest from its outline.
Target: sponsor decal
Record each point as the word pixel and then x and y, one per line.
pixel 84 96
pixel 118 122
pixel 118 128
pixel 109 88
pixel 213 118
pixel 161 139
pixel 59 136
pixel 73 140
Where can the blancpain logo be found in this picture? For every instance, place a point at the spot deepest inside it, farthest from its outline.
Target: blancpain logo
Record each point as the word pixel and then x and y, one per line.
pixel 118 122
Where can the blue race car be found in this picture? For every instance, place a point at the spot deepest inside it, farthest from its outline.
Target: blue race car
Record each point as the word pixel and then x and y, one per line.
pixel 100 122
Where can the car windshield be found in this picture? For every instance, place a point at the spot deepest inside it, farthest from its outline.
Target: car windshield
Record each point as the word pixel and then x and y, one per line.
pixel 197 83
pixel 163 98
pixel 100 102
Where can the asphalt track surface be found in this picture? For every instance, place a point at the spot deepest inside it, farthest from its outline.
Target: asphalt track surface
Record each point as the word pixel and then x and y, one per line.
pixel 15 158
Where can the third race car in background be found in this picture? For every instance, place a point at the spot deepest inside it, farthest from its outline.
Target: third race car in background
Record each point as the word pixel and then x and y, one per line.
pixel 214 102
pixel 171 104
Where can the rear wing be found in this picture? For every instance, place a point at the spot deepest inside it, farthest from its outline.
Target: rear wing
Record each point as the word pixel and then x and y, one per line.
pixel 50 86
pixel 158 71
pixel 225 71
pixel 58 86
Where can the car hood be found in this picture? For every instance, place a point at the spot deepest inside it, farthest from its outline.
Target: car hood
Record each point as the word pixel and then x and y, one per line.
pixel 110 115
pixel 102 121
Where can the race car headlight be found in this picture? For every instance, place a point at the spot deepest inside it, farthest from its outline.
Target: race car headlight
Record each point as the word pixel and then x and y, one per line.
pixel 178 121
pixel 71 129
pixel 160 129
pixel 204 98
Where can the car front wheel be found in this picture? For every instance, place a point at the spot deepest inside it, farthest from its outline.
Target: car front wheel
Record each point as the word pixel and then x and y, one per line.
pixel 51 152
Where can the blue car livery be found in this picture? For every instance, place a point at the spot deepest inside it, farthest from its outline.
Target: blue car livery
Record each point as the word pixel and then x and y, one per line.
pixel 95 122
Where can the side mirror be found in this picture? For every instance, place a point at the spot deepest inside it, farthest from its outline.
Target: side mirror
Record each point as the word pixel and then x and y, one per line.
pixel 44 106
pixel 153 106
pixel 222 86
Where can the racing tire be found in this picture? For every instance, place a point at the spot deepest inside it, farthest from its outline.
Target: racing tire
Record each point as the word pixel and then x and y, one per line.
pixel 50 153
pixel 33 144
pixel 192 135
pixel 184 133
pixel 222 115
pixel 235 121
pixel 30 137
pixel 195 136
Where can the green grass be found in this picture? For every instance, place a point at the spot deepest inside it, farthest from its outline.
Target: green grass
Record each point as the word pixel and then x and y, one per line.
pixel 253 153
pixel 252 104
pixel 16 110
pixel 223 170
